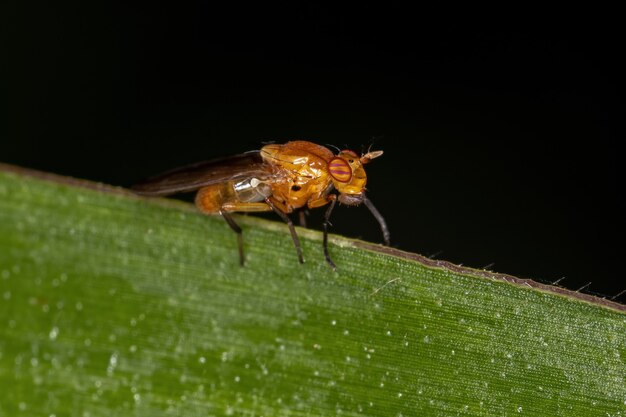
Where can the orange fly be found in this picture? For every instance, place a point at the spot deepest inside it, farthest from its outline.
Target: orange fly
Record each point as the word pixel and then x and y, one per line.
pixel 279 178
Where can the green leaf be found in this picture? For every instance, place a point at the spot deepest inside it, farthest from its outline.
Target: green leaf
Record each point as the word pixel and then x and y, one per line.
pixel 111 304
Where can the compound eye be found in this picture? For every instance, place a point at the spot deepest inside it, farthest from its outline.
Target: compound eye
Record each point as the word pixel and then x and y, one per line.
pixel 340 169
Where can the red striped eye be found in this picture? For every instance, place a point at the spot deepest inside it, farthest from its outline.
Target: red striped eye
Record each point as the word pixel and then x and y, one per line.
pixel 339 169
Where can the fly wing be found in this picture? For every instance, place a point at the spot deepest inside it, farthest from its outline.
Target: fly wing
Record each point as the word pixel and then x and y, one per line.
pixel 192 177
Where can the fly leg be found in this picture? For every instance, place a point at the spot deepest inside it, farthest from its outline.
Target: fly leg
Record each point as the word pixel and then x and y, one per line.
pixel 380 219
pixel 292 230
pixel 302 217
pixel 233 225
pixel 229 207
pixel 319 202
pixel 329 210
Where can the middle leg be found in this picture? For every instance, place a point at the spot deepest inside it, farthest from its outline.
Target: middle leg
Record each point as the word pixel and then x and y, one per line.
pixel 292 229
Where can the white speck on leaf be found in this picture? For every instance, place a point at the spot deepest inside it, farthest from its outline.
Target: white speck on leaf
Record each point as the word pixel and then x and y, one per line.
pixel 54 332
pixel 112 363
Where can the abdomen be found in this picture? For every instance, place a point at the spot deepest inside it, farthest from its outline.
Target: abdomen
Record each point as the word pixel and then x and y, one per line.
pixel 211 198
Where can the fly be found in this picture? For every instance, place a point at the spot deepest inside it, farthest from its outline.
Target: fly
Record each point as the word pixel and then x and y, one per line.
pixel 279 178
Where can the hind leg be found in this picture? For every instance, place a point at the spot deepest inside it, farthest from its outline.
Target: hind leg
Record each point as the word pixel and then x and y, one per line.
pixel 240 207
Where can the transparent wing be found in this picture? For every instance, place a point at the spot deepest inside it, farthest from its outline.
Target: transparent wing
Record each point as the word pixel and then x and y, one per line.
pixel 192 177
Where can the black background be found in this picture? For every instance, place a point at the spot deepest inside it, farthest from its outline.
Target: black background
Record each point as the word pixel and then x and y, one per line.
pixel 499 131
